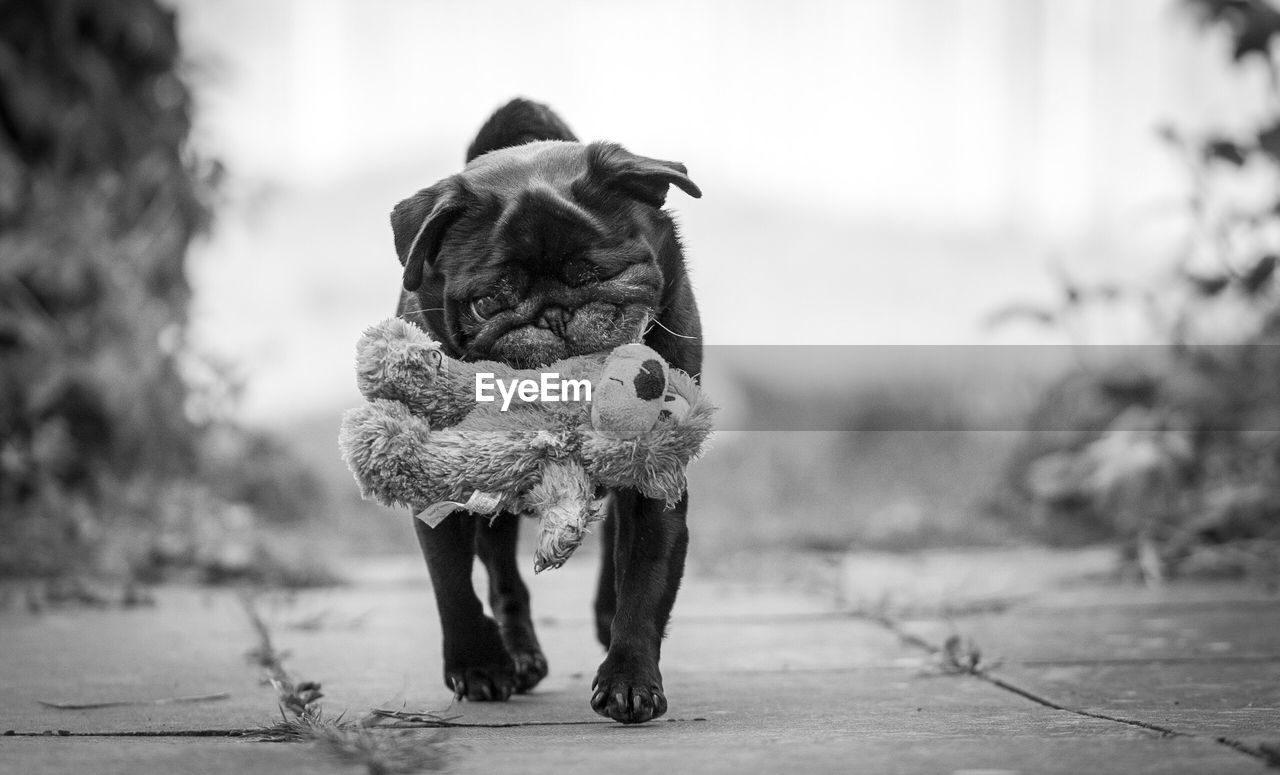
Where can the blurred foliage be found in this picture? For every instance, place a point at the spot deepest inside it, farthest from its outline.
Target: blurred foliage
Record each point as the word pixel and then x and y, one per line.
pixel 112 432
pixel 1175 449
pixel 891 461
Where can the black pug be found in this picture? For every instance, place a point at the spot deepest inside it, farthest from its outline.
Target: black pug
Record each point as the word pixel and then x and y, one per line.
pixel 540 249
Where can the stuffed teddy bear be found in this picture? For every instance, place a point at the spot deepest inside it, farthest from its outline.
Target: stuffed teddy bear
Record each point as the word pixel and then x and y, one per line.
pixel 439 434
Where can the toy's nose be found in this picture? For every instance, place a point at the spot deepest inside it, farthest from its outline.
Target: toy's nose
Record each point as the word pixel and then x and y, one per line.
pixel 554 318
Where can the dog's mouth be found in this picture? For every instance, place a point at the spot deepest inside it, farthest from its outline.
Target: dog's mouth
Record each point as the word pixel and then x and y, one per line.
pixel 547 320
pixel 558 333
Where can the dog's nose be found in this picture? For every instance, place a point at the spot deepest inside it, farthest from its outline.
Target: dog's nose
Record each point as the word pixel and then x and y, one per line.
pixel 554 318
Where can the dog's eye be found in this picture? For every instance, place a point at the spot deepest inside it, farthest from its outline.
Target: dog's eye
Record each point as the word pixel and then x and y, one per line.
pixel 608 272
pixel 485 307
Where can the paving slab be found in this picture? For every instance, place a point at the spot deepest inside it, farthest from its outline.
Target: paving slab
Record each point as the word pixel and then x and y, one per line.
pixel 112 756
pixel 191 644
pixel 1197 658
pixel 759 678
pixel 959 580
pixel 1008 755
pixel 1223 631
pixel 870 720
pixel 1204 698
pixel 857 703
pixel 654 747
pixel 373 644
pixel 1186 658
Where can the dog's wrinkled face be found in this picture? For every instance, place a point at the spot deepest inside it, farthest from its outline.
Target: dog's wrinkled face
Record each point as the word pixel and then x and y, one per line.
pixel 538 252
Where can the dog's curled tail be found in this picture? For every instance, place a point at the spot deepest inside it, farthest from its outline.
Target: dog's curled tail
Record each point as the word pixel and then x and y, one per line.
pixel 518 122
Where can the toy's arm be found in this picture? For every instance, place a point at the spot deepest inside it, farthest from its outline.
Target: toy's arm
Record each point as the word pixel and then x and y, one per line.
pixel 399 460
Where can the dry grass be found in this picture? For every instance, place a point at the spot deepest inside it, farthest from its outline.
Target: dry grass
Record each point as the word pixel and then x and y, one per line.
pixel 380 747
pixel 134 703
pixel 962 656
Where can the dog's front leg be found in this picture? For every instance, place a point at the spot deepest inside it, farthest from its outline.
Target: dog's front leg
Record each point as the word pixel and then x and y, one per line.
pixel 509 598
pixel 476 664
pixel 649 552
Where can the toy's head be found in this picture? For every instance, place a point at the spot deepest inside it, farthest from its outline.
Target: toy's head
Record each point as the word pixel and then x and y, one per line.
pixel 632 392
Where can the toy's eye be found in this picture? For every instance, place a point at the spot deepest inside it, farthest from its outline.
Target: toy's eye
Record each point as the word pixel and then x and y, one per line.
pixel 650 382
pixel 485 307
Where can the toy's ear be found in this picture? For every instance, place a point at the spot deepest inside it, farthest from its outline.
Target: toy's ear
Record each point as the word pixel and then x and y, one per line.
pixel 641 177
pixel 418 225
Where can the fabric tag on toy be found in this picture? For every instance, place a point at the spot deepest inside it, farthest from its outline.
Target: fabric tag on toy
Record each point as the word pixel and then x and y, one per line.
pixel 479 503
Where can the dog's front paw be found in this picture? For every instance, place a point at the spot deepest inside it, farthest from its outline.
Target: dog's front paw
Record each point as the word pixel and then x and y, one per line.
pixel 478 667
pixel 531 668
pixel 522 644
pixel 631 696
pixel 482 684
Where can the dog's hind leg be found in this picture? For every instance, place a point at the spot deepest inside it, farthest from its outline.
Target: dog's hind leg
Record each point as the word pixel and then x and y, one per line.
pixel 509 598
pixel 476 663
pixel 649 553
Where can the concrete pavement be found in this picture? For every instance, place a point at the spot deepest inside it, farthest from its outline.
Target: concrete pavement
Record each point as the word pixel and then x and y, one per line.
pixel 1070 676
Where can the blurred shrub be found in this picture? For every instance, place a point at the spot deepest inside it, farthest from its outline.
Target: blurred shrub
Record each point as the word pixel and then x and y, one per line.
pixel 101 427
pixel 893 461
pixel 1177 452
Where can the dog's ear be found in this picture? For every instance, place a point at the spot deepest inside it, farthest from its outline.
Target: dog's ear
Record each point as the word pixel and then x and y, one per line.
pixel 418 225
pixel 641 177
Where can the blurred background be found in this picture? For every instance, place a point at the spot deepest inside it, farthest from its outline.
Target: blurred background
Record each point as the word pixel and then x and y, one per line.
pixel 1028 246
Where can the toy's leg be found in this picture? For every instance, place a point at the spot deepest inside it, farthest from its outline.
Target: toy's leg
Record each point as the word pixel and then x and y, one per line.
pixel 509 598
pixel 476 664
pixel 649 551
pixel 606 592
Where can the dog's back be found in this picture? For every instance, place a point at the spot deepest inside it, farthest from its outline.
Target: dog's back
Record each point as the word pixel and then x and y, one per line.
pixel 518 122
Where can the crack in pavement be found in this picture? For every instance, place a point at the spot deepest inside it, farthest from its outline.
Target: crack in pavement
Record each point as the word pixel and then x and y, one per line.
pixel 258 732
pixel 1267 756
pixel 1226 659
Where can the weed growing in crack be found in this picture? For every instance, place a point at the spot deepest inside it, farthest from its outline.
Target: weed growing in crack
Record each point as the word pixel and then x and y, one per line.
pixel 390 750
pixel 960 656
pixel 1270 753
